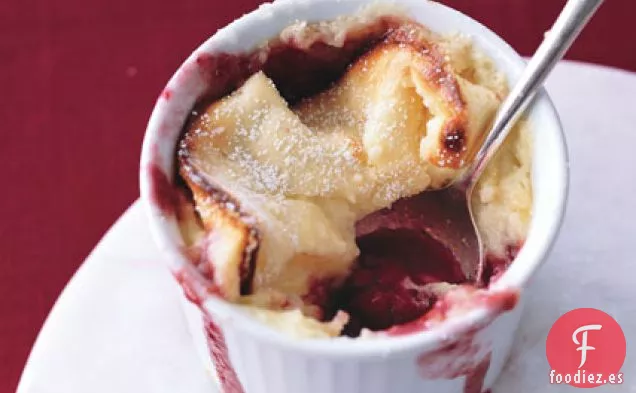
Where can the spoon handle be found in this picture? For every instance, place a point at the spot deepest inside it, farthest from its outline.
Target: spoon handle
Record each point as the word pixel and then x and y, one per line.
pixel 558 40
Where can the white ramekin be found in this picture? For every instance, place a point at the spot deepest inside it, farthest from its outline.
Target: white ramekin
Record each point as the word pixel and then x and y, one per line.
pixel 265 361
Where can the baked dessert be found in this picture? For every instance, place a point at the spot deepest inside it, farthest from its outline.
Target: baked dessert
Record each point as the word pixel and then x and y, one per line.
pixel 304 164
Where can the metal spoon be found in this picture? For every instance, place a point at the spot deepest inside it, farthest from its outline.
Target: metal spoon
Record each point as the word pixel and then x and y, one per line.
pixel 453 223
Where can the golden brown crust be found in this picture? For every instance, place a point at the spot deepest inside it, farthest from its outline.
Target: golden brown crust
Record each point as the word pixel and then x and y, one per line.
pixel 434 69
pixel 228 228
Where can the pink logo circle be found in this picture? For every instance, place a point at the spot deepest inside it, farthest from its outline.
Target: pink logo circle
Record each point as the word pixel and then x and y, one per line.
pixel 586 348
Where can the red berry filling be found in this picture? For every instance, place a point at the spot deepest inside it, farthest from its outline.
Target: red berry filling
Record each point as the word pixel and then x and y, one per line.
pixel 388 285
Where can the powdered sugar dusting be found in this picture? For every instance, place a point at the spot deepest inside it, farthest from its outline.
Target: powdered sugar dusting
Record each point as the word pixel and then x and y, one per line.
pixel 306 163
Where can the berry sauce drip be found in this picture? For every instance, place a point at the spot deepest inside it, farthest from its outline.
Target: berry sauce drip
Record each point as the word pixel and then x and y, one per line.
pixel 218 349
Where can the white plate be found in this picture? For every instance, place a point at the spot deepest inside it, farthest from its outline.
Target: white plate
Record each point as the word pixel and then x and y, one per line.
pixel 138 341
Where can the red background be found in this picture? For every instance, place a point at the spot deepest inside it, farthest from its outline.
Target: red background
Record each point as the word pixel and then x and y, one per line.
pixel 78 80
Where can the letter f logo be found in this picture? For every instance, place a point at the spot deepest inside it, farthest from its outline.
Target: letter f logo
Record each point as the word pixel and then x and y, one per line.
pixel 583 344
